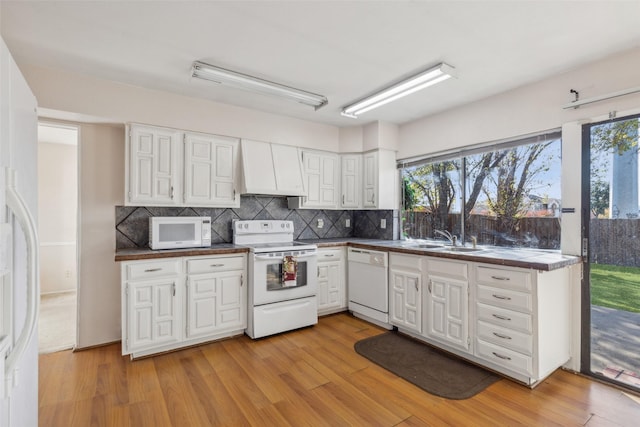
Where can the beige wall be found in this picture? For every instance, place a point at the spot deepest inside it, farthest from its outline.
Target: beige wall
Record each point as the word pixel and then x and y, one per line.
pixel 101 189
pixel 57 214
pixel 120 103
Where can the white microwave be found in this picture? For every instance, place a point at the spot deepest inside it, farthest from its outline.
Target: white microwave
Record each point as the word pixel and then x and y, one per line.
pixel 171 232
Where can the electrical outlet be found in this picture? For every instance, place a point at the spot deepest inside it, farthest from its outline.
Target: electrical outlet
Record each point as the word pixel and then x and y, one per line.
pixel 320 223
pixel 347 222
pixel 383 223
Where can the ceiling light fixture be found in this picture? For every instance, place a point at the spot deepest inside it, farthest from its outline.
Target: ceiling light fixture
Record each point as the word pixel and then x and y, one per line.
pixel 413 84
pixel 255 84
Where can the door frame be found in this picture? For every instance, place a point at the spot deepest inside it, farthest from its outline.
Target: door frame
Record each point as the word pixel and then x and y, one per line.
pixel 585 315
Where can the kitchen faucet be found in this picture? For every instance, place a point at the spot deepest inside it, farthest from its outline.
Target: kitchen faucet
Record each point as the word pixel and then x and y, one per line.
pixel 450 237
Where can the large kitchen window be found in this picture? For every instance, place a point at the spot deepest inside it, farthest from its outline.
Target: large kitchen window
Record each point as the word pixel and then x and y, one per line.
pixel 506 194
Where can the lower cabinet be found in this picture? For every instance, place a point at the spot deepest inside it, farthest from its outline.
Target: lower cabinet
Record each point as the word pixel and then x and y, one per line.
pixel 512 320
pixel 522 320
pixel 176 302
pixel 447 302
pixel 405 282
pixel 332 289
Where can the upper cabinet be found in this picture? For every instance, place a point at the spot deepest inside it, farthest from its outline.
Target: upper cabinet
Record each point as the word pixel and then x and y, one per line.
pixel 321 177
pixel 168 167
pixel 153 166
pixel 211 170
pixel 351 181
pixel 271 169
pixel 379 180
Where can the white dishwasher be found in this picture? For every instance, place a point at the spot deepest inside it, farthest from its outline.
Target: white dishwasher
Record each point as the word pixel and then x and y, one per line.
pixel 368 285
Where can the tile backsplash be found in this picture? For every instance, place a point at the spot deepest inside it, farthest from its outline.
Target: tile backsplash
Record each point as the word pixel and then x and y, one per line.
pixel 132 223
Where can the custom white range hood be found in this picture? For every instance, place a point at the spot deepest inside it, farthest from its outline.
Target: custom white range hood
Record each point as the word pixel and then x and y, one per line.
pixel 271 169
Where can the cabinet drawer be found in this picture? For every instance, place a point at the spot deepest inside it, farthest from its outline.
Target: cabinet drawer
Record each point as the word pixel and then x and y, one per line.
pixel 214 264
pixel 453 269
pixel 517 341
pixel 504 357
pixel 502 278
pixel 330 255
pixel 505 318
pixel 405 262
pixel 150 270
pixel 505 298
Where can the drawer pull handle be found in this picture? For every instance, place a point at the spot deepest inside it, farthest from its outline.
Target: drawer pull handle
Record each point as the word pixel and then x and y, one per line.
pixel 500 278
pixel 504 337
pixel 502 297
pixel 328 255
pixel 501 356
pixel 497 316
pixel 217 265
pixel 151 270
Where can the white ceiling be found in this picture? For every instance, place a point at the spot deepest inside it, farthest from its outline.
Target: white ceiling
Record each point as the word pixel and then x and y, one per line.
pixel 341 49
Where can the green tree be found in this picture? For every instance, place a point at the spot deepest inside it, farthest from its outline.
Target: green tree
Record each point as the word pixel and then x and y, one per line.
pixel 513 180
pixel 599 197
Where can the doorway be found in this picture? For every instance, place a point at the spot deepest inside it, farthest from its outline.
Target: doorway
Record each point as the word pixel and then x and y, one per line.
pixel 57 230
pixel 611 249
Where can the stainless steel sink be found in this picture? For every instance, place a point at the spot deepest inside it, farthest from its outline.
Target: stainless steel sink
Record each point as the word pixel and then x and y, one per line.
pixel 426 246
pixel 463 249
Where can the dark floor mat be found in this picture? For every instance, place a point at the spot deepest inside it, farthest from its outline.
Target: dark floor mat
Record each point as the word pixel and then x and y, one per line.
pixel 428 368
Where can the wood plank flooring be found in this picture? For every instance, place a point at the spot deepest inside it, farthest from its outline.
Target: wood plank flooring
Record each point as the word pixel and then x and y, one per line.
pixel 308 377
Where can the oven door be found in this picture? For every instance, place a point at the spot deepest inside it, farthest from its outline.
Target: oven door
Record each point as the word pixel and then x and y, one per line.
pixel 267 281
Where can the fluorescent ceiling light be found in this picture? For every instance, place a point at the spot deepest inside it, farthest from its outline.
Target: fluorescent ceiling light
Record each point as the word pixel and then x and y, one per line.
pixel 413 84
pixel 255 84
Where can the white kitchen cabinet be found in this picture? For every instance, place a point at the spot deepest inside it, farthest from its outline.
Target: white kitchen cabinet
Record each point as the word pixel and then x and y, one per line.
pixel 153 164
pixel 522 320
pixel 169 167
pixel 447 302
pixel 379 180
pixel 321 179
pixel 211 170
pixel 321 174
pixel 332 289
pixel 351 181
pixel 405 278
pixel 151 305
pixel 271 169
pixel 177 302
pixel 216 295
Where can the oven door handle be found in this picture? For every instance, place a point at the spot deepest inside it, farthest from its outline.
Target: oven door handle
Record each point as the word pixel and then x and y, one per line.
pixel 314 254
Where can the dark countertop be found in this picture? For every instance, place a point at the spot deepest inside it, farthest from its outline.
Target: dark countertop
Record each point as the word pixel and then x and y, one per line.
pixel 536 259
pixel 146 253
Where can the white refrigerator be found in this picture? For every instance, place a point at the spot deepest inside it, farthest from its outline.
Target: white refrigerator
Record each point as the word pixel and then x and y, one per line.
pixel 19 281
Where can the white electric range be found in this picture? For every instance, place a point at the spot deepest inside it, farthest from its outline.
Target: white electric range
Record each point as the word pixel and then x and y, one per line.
pixel 275 304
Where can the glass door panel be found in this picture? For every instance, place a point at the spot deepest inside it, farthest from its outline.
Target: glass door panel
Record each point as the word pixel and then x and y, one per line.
pixel 611 297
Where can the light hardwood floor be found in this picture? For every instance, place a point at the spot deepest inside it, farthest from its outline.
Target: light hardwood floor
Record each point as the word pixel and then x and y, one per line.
pixel 308 377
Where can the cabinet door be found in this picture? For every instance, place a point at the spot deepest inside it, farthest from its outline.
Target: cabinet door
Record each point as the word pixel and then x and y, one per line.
pixel 448 311
pixel 370 180
pixel 288 170
pixel 351 178
pixel 215 302
pixel 321 179
pixel 406 299
pixel 331 293
pixel 153 166
pixel 211 170
pixel 153 314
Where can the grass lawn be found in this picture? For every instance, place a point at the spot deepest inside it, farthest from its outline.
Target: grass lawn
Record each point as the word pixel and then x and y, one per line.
pixel 615 287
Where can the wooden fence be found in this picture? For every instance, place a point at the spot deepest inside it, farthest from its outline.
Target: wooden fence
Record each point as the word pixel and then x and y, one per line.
pixel 615 242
